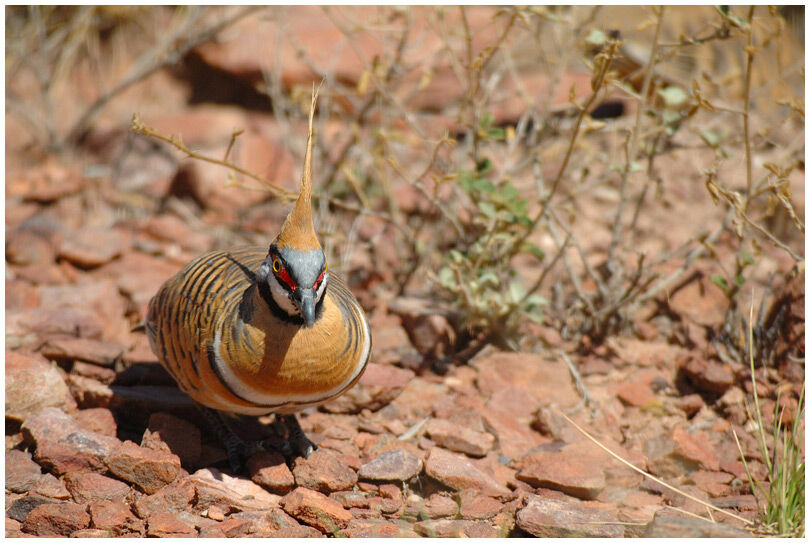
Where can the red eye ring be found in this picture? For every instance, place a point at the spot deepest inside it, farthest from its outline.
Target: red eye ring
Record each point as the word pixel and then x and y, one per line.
pixel 318 280
pixel 284 275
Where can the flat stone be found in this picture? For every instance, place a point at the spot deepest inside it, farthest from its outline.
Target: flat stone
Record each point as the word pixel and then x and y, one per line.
pixel 323 471
pixel 55 519
pixel 90 393
pixel 372 528
pixel 115 517
pixel 216 488
pixel 705 374
pixel 63 446
pixel 50 487
pixel 172 498
pixel 269 470
pixel 668 525
pixel 636 393
pixel 94 351
pixel 456 528
pixel 440 506
pixel 546 517
pixel 91 247
pixel 474 507
pixel 173 435
pixel 86 487
pixel 391 465
pixel 317 510
pixel 379 386
pixel 168 525
pixel 680 452
pixel 148 469
pixel 459 473
pixel 21 471
pixel 577 469
pixel 32 383
pixel 92 533
pixel 93 371
pixel 459 438
pixel 546 381
pixel 99 420
pixel 21 507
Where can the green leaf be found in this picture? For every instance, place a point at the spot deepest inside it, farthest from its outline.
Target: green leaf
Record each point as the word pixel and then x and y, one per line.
pixel 447 278
pixel 516 291
pixel 535 300
pixel 487 209
pixel 483 185
pixel 496 133
pixel 536 315
pixel 747 259
pixel 740 280
pixel 456 256
pixel 671 117
pixel 465 180
pixel 673 96
pixel 596 38
pixel 489 277
pixel 719 281
pixel 487 120
pixel 533 249
pixel 712 139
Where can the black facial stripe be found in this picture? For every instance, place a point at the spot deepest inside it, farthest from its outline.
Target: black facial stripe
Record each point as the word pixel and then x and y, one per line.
pixel 278 311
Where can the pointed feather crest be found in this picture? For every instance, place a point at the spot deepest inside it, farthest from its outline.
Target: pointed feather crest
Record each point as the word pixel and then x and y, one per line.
pixel 298 230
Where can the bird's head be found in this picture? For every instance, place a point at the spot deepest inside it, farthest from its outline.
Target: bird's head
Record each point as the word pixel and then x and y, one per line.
pixel 295 268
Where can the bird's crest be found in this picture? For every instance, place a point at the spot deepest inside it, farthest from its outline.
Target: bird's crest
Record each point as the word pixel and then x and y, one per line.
pixel 298 230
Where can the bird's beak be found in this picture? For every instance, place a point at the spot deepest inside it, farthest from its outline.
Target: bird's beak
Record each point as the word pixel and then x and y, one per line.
pixel 308 306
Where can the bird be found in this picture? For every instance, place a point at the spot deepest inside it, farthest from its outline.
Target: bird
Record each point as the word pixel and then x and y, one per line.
pixel 259 330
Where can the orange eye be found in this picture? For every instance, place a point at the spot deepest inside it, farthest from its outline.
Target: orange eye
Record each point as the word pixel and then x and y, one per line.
pixel 276 265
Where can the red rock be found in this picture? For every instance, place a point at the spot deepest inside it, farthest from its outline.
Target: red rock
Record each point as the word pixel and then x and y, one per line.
pixel 315 509
pixel 455 528
pixel 700 301
pixel 514 435
pixel 101 297
pixel 544 517
pixel 708 375
pixel 392 465
pixel 379 386
pixel 63 446
pixel 350 499
pixel 148 469
pixel 695 446
pixel 429 332
pixel 13 528
pixel 168 525
pixel 90 393
pixel 26 248
pixel 91 247
pixel 86 487
pixel 173 435
pixel 577 470
pixel 87 350
pixel 216 488
pixel 459 438
pixel 138 275
pixel 460 474
pixel 714 483
pixel 116 517
pixel 21 471
pixel 479 507
pixel 93 371
pixel 21 507
pixel 439 506
pixel 390 339
pixel 91 532
pixel 391 491
pixel 323 471
pixel 29 326
pixel 546 381
pixel 21 295
pixel 269 470
pixel 371 528
pixel 50 487
pixel 46 183
pixel 172 498
pixel 679 453
pixel 32 383
pixel 55 519
pixel 690 404
pixel 99 420
pixel 636 393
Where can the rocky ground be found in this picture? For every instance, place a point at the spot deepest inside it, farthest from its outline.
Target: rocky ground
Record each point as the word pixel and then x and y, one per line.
pixel 100 442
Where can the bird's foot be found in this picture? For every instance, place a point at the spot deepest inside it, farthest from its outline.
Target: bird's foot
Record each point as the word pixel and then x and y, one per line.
pixel 236 449
pixel 297 440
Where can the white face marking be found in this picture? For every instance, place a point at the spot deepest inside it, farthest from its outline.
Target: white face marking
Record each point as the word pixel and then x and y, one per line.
pixel 281 296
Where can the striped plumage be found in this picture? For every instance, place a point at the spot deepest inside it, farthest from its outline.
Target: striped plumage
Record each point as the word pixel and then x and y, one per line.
pixel 219 333
pixel 259 330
